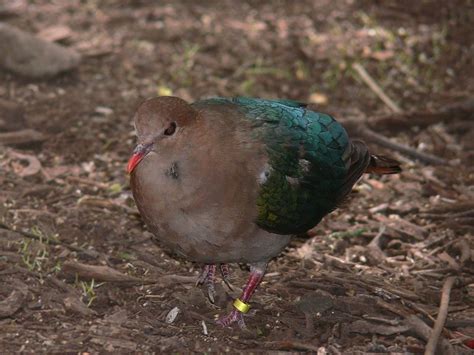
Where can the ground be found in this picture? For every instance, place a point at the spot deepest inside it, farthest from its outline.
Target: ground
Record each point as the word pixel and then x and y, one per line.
pixel 351 287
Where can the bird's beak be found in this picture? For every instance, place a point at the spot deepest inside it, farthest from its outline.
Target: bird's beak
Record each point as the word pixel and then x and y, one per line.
pixel 140 151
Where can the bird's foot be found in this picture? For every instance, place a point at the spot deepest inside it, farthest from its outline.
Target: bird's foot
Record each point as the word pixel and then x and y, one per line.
pixel 232 317
pixel 207 278
pixel 225 273
pixel 241 305
pixel 208 272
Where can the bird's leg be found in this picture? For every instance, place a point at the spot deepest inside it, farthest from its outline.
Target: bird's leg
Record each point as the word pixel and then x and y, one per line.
pixel 207 277
pixel 225 272
pixel 241 304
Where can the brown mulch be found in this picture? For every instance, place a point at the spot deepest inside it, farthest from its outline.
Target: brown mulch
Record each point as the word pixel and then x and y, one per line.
pixel 78 269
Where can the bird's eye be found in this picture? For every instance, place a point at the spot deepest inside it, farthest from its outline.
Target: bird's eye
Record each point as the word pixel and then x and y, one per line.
pixel 171 129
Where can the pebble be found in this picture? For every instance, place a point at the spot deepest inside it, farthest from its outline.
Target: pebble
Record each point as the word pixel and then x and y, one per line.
pixel 32 57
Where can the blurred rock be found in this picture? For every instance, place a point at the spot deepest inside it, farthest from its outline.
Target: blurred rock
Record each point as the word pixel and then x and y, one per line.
pixel 12 8
pixel 27 55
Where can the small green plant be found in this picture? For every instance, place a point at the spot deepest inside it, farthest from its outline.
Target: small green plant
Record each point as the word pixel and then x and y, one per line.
pixel 88 291
pixel 302 71
pixel 334 73
pixel 35 253
pixel 115 189
pixel 34 261
pixel 348 234
pixel 185 63
pixel 259 68
pixel 247 87
pixel 125 256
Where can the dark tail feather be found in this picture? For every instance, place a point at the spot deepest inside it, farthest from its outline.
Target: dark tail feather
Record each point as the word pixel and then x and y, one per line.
pixel 382 165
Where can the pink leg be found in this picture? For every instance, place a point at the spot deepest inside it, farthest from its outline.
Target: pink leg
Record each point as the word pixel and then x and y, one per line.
pixel 256 275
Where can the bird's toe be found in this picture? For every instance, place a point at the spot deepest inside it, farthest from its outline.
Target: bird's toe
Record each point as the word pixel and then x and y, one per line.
pixel 211 293
pixel 233 317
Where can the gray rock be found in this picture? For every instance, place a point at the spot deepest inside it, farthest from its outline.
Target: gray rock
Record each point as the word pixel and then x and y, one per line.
pixel 27 55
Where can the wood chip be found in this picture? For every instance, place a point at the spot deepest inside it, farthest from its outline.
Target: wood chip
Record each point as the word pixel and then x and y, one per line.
pixel 10 305
pixel 97 272
pixel 21 137
pixel 364 327
pixel 171 316
pixel 75 305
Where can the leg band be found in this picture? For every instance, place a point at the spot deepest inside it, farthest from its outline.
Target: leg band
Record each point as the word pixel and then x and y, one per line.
pixel 241 306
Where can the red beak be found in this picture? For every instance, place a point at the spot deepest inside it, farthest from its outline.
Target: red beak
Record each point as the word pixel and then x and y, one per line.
pixel 140 151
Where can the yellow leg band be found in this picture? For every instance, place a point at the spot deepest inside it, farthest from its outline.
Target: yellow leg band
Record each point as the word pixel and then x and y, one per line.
pixel 241 306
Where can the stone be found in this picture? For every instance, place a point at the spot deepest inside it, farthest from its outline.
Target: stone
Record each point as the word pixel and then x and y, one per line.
pixel 24 54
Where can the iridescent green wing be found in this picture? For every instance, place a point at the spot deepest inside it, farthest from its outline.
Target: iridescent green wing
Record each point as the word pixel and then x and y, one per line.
pixel 307 162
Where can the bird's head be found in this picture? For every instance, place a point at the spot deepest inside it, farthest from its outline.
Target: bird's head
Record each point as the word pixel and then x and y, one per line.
pixel 159 121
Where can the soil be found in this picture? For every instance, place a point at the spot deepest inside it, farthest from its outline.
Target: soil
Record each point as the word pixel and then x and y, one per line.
pixel 349 286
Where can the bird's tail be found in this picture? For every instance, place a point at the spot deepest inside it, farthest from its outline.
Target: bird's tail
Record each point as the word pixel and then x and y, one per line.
pixel 382 165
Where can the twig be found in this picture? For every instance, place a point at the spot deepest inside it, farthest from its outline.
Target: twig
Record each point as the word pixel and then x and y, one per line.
pixel 89 253
pixel 21 137
pixel 462 110
pixel 375 87
pixel 374 246
pixel 410 152
pixel 97 272
pixel 356 128
pixel 424 332
pixel 389 290
pixel 441 319
pixel 88 182
pixel 460 323
pixel 290 345
pixel 107 274
pixel 107 204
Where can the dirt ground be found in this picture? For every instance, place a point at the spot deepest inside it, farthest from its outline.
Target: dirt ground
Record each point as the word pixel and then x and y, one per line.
pixel 78 271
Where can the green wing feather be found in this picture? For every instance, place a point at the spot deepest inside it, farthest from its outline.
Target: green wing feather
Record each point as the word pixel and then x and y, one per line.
pixel 308 162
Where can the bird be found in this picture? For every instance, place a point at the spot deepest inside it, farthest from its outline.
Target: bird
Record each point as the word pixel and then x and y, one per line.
pixel 231 179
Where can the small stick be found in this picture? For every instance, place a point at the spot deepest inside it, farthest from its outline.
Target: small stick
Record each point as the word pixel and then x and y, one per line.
pixel 365 132
pixel 90 253
pixel 424 332
pixel 21 137
pixel 442 314
pixel 107 274
pixel 374 246
pixel 375 87
pixel 411 152
pixel 97 272
pixel 88 182
pixel 290 345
